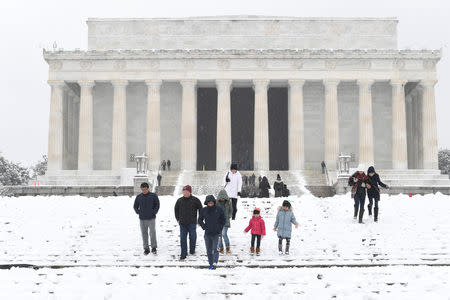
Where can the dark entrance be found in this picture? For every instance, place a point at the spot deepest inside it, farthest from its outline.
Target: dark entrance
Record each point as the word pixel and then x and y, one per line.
pixel 242 126
pixel 206 128
pixel 278 128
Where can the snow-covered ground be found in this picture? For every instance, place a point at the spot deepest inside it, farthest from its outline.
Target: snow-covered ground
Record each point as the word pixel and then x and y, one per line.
pixel 405 255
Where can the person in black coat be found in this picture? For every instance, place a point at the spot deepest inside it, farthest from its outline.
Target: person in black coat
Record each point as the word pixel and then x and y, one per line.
pixel 169 163
pixel 359 182
pixel 186 209
pixel 146 205
pixel 159 177
pixel 278 186
pixel 264 187
pixel 212 220
pixel 373 193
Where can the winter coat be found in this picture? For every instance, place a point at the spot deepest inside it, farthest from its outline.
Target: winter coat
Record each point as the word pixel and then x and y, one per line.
pixel 226 206
pixel 146 206
pixel 211 219
pixel 278 186
pixel 257 226
pixel 357 187
pixel 186 210
pixel 374 181
pixel 264 187
pixel 234 186
pixel 284 221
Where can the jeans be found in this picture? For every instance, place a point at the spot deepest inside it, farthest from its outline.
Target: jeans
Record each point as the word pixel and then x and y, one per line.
pixel 359 203
pixel 258 240
pixel 224 235
pixel 211 241
pixel 184 230
pixel 145 226
pixel 234 204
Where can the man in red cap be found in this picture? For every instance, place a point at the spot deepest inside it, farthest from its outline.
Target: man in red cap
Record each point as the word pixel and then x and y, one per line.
pixel 187 209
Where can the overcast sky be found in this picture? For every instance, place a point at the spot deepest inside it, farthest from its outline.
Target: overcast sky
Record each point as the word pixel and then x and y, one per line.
pixel 28 26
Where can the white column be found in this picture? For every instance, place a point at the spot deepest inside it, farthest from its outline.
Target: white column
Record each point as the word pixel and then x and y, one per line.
pixel 331 123
pixel 366 156
pixel 189 125
pixel 85 131
pixel 119 126
pixel 70 127
pixel 153 147
pixel 296 125
pixel 399 142
pixel 261 137
pixel 429 131
pixel 223 150
pixel 55 129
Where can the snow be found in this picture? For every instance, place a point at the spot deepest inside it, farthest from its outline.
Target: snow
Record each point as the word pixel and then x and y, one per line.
pixel 98 242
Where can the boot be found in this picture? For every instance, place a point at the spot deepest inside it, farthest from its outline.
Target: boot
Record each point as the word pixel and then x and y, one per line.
pixel 355 214
pixel 375 210
pixel 221 250
pixel 252 250
pixel 257 251
pixel 370 209
pixel 287 250
pixel 228 250
pixel 361 214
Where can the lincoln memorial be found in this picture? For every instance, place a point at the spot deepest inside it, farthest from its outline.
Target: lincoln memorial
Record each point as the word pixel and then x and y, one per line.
pixel 269 93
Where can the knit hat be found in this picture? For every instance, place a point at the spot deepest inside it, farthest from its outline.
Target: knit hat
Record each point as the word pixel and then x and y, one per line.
pixel 233 167
pixel 187 188
pixel 371 170
pixel 210 198
pixel 286 203
pixel 256 211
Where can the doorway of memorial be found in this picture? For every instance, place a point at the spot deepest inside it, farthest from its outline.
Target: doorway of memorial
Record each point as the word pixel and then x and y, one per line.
pixel 242 126
pixel 278 128
pixel 206 128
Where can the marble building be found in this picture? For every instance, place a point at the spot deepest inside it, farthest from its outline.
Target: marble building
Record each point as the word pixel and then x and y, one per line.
pixel 278 93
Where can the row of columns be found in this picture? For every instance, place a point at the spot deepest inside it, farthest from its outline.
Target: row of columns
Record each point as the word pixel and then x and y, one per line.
pixel 261 135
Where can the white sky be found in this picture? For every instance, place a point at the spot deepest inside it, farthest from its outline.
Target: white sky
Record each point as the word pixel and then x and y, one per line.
pixel 28 26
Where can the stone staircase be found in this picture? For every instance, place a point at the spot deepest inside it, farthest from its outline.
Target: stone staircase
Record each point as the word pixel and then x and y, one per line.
pixel 72 179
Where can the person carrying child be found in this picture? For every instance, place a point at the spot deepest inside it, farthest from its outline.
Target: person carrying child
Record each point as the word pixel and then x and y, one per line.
pixel 283 224
pixel 258 230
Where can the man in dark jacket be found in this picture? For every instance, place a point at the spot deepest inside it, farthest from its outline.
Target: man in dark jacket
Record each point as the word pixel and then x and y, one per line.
pixel 264 187
pixel 374 191
pixel 169 163
pixel 278 186
pixel 212 220
pixel 359 182
pixel 159 177
pixel 186 209
pixel 146 205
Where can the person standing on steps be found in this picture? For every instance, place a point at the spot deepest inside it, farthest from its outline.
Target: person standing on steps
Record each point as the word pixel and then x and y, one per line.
pixel 233 186
pixel 159 177
pixel 264 188
pixel 258 230
pixel 212 220
pixel 283 224
pixel 373 193
pixel 324 167
pixel 169 163
pixel 186 209
pixel 224 203
pixel 278 186
pixel 146 205
pixel 163 165
pixel 359 182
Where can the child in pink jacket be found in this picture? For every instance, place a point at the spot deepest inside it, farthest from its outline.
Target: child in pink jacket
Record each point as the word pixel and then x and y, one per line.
pixel 258 228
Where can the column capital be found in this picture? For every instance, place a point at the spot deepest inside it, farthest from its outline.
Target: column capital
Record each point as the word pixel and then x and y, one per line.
pixel 261 82
pixel 188 82
pixel 398 81
pixel 119 82
pixel 331 82
pixel 428 82
pixel 224 82
pixel 56 83
pixel 86 83
pixel 365 82
pixel 296 83
pixel 153 82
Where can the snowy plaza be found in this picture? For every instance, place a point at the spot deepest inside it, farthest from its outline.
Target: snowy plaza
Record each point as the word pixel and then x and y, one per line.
pixel 90 248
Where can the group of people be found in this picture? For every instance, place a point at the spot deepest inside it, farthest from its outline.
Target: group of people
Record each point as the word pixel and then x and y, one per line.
pixel 165 164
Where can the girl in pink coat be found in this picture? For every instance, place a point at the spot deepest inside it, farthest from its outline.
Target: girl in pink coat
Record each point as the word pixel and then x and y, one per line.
pixel 258 228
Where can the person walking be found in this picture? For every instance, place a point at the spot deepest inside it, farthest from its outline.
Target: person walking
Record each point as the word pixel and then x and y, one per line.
pixel 283 225
pixel 233 186
pixel 169 163
pixel 278 186
pixel 264 187
pixel 324 167
pixel 212 221
pixel 186 209
pixel 223 201
pixel 373 193
pixel 163 165
pixel 159 177
pixel 359 182
pixel 258 230
pixel 146 205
